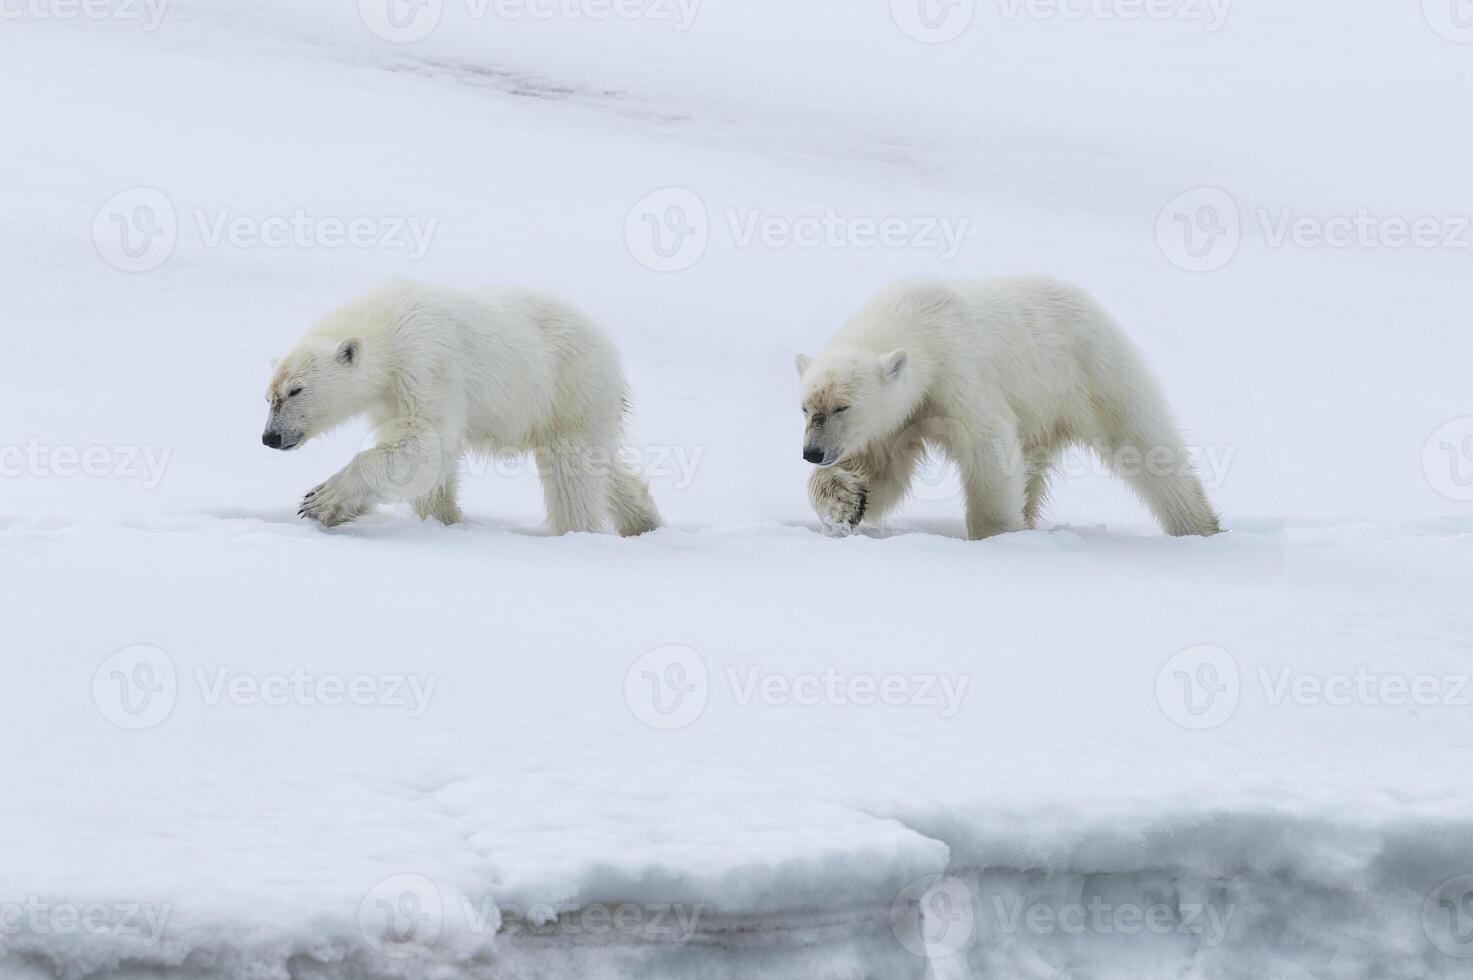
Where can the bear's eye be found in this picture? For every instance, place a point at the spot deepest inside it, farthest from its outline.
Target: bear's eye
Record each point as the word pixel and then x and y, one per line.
pixel 841 408
pixel 294 393
pixel 805 410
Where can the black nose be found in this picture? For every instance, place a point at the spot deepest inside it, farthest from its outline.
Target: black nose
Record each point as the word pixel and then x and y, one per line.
pixel 272 439
pixel 813 455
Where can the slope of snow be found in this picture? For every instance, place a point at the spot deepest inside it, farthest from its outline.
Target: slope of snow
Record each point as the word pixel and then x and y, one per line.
pixel 245 747
pixel 516 766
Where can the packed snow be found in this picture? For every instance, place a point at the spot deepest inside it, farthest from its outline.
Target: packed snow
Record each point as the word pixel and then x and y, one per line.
pixel 245 747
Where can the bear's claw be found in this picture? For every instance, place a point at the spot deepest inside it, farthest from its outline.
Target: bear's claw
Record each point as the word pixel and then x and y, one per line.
pixel 331 504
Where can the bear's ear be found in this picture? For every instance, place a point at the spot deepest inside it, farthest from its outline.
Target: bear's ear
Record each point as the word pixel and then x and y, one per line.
pixel 802 361
pixel 892 365
pixel 348 351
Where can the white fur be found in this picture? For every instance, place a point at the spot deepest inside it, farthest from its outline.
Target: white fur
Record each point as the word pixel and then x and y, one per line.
pixel 441 372
pixel 1001 375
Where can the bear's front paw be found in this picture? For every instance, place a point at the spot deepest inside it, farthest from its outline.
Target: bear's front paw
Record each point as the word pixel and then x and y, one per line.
pixel 333 503
pixel 839 499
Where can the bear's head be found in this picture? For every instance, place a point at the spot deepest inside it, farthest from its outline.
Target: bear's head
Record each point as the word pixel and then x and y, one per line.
pixel 850 399
pixel 316 386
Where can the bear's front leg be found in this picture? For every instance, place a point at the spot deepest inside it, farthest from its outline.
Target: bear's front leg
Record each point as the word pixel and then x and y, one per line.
pixel 995 481
pixel 439 503
pixel 839 498
pixel 343 498
pixel 410 461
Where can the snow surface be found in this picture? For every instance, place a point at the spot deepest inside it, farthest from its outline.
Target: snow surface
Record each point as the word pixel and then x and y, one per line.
pixel 513 801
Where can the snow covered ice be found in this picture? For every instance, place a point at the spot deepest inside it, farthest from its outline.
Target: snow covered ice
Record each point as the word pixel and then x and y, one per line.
pixel 240 746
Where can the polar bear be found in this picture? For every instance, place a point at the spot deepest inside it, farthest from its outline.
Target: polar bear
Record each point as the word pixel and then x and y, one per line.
pixel 440 372
pixel 1002 376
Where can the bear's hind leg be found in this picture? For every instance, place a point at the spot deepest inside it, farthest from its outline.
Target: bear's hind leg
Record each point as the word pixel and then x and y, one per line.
pixel 1162 476
pixel 1036 491
pixel 1145 450
pixel 630 503
pixel 574 486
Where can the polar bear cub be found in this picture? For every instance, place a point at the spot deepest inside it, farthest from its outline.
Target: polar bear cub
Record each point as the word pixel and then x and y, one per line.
pixel 441 372
pixel 1001 376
